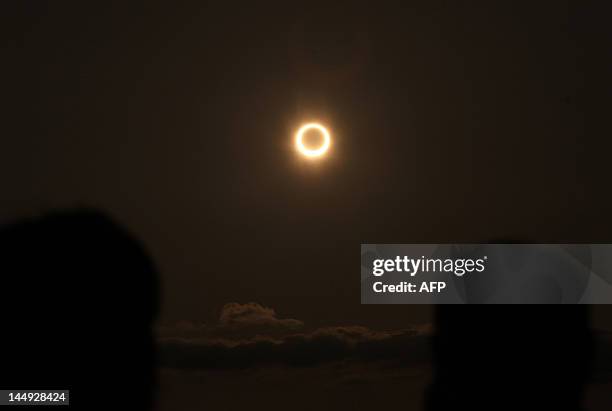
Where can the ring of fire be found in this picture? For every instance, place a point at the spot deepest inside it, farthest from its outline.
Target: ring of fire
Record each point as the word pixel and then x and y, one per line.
pixel 310 152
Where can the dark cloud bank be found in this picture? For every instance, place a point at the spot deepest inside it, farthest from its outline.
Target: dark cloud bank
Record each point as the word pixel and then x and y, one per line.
pixel 251 335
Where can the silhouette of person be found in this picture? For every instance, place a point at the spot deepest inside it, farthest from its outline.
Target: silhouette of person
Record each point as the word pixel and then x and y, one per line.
pixel 79 296
pixel 519 357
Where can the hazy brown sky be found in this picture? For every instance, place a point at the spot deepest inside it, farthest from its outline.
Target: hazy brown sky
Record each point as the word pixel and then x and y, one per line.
pixel 450 123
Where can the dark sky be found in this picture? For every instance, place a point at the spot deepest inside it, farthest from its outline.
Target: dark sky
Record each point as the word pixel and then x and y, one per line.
pixel 450 124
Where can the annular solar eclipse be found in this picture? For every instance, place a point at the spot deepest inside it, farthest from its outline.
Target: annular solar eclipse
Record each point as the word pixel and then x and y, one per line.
pixel 306 150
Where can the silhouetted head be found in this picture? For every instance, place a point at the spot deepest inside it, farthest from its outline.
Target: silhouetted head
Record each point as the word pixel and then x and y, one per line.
pixel 79 296
pixel 510 357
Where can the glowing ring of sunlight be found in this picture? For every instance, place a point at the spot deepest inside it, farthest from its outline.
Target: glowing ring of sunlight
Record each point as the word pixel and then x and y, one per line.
pixel 309 152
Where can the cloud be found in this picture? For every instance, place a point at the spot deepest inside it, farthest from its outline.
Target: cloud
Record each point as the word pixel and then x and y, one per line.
pixel 295 351
pixel 236 321
pixel 253 314
pixel 253 336
pixel 238 341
